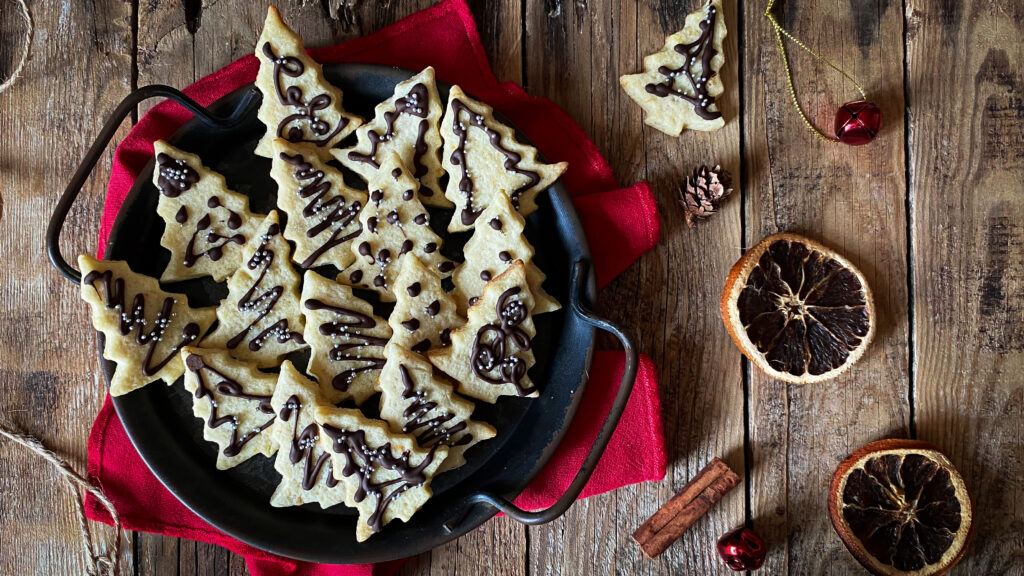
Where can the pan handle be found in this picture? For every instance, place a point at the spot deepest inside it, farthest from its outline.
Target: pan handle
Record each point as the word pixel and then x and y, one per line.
pixel 60 213
pixel 604 435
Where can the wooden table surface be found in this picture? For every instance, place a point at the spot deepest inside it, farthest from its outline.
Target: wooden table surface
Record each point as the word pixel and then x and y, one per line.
pixel 932 213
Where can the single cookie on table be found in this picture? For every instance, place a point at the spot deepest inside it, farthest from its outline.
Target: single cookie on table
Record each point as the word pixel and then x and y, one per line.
pixel 415 401
pixel 143 326
pixel 260 320
pixel 679 84
pixel 386 475
pixel 482 156
pixel 496 243
pixel 408 123
pixel 299 104
pixel 205 223
pixel 233 400
pixel 322 210
pixel 424 315
pixel 305 466
pixel 491 355
pixel 394 223
pixel 346 338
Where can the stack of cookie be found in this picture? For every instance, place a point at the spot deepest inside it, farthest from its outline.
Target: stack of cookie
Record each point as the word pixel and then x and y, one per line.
pixel 456 331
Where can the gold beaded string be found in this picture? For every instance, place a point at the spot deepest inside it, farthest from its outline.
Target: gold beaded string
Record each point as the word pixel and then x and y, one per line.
pixel 779 33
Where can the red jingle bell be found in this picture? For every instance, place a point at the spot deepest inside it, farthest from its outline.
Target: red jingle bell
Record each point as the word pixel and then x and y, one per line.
pixel 857 123
pixel 742 549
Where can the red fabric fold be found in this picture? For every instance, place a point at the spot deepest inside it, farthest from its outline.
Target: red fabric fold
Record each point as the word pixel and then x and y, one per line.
pixel 620 224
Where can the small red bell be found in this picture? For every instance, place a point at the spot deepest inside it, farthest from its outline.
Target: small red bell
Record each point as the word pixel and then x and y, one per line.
pixel 742 549
pixel 857 123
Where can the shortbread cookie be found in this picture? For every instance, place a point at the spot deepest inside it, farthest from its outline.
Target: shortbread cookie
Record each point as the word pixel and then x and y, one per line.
pixel 206 225
pixel 394 223
pixel 424 314
pixel 414 401
pixel 496 243
pixel 491 355
pixel 260 320
pixel 233 400
pixel 678 86
pixel 346 338
pixel 299 104
pixel 482 156
pixel 386 475
pixel 305 466
pixel 408 123
pixel 143 326
pixel 321 209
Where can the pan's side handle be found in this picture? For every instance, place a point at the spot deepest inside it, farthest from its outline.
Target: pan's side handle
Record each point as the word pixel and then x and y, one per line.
pixel 60 213
pixel 603 436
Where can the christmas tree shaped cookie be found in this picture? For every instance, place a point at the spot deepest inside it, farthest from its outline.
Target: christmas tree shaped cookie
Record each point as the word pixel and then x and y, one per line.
pixel 305 466
pixel 497 242
pixel 482 156
pixel 144 327
pixel 414 401
pixel 346 338
pixel 205 223
pixel 233 400
pixel 678 86
pixel 491 354
pixel 260 320
pixel 386 475
pixel 424 314
pixel 394 223
pixel 321 209
pixel 407 123
pixel 299 104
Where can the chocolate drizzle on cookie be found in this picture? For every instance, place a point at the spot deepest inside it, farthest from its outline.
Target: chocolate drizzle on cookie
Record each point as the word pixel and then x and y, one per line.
pixel 217 240
pixel 491 350
pixel 227 387
pixel 335 215
pixel 304 447
pixel 415 103
pixel 703 48
pixel 134 320
pixel 416 415
pixel 356 347
pixel 363 460
pixel 264 303
pixel 469 214
pixel 307 112
pixel 174 176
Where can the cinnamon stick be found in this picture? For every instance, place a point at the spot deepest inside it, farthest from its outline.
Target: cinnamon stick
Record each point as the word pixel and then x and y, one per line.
pixel 684 509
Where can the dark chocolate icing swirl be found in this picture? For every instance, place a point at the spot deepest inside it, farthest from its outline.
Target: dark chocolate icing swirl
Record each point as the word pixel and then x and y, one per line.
pixel 174 175
pixel 334 215
pixel 416 415
pixel 290 127
pixel 704 48
pixel 227 387
pixel 490 353
pixel 135 320
pixel 348 325
pixel 216 239
pixel 304 447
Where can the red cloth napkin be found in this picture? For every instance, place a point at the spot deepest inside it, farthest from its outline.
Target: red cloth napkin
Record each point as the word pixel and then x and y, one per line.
pixel 620 224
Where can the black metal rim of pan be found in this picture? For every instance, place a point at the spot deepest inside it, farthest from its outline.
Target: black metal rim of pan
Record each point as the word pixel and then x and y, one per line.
pixel 159 421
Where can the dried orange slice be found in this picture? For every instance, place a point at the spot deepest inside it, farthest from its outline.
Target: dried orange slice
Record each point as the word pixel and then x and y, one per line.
pixel 798 310
pixel 901 508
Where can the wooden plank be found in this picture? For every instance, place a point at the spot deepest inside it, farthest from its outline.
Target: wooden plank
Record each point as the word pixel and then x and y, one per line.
pixel 853 200
pixel 78 70
pixel 575 52
pixel 965 64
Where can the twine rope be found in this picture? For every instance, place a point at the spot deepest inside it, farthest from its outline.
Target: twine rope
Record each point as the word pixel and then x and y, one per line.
pixel 26 42
pixel 99 564
pixel 779 33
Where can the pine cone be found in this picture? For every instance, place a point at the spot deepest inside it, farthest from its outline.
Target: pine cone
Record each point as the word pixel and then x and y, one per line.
pixel 705 190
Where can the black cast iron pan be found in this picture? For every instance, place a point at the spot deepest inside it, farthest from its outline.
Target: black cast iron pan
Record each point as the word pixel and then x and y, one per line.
pixel 159 419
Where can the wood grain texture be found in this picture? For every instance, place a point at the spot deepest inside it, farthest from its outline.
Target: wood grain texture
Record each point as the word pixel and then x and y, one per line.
pixel 79 63
pixel 853 200
pixel 965 66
